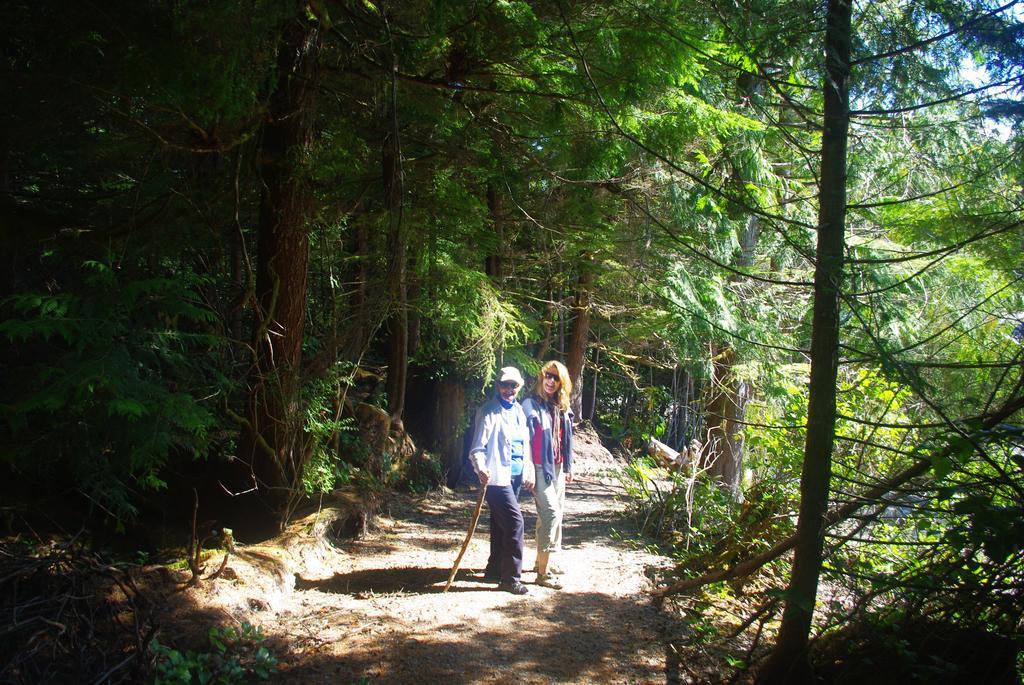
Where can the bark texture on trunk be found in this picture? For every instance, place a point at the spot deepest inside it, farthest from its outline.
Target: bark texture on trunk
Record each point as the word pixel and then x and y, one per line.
pixel 577 352
pixel 495 264
pixel 550 313
pixel 274 436
pixel 590 398
pixel 398 321
pixel 729 393
pixel 449 415
pixel 788 662
pixel 722 451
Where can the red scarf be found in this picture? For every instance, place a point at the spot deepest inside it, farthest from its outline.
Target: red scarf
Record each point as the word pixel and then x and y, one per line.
pixel 556 434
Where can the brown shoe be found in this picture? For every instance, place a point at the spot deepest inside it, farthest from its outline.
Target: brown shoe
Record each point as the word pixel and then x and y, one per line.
pixel 549 581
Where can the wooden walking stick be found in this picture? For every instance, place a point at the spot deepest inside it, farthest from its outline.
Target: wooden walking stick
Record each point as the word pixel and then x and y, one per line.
pixel 469 536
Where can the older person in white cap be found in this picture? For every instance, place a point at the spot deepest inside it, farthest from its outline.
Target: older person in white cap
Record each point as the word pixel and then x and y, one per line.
pixel 501 436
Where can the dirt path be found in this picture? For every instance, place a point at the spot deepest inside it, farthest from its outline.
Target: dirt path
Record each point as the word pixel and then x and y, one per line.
pixel 374 609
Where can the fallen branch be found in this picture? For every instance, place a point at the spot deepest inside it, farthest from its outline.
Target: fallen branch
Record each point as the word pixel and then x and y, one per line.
pixel 673 459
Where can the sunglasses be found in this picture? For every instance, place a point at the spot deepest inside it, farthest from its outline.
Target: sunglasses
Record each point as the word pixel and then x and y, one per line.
pixel 509 384
pixel 551 376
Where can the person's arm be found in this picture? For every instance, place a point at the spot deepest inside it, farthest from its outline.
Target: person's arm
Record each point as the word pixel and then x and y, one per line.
pixel 478 450
pixel 528 471
pixel 567 457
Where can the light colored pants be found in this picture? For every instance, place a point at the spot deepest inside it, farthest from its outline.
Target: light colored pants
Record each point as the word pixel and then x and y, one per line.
pixel 550 499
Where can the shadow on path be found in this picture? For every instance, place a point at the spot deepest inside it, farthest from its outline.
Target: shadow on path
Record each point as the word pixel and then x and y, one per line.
pixel 383 581
pixel 455 652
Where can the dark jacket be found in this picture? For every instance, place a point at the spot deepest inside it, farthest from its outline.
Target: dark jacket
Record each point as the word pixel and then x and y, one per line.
pixel 538 417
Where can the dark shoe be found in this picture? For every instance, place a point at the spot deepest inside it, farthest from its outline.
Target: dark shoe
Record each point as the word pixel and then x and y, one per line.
pixel 492 578
pixel 515 587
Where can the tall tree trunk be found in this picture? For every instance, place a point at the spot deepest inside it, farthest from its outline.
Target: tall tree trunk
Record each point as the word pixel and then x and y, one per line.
pixel 788 662
pixel 5 167
pixel 723 441
pixel 626 413
pixel 361 322
pixel 448 416
pixel 8 267
pixel 576 354
pixel 694 418
pixel 590 399
pixel 729 394
pixel 686 417
pixel 550 312
pixel 672 432
pixel 398 322
pixel 274 436
pixel 414 291
pixel 748 241
pixel 722 452
pixel 495 264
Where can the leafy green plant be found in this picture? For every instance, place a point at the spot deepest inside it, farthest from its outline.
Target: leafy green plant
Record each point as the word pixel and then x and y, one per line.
pixel 326 430
pixel 237 655
pixel 470 321
pixel 105 386
pixel 426 471
pixel 688 513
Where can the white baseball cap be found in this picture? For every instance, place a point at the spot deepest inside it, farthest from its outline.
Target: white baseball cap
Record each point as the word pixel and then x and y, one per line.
pixel 510 373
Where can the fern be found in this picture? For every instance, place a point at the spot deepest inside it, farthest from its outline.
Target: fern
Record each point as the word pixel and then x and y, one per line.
pixel 103 390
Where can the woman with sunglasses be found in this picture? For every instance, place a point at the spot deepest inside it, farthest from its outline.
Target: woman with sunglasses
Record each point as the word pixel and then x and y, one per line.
pixel 550 421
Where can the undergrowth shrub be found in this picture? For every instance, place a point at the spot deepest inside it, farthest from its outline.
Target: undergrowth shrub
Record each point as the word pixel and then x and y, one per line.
pixel 689 514
pixel 327 431
pixel 236 655
pixel 892 648
pixel 69 615
pixel 102 378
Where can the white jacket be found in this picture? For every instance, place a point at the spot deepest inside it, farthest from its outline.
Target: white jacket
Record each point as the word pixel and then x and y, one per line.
pixel 491 449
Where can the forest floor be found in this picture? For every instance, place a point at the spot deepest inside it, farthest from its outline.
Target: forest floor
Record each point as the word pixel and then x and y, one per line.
pixel 372 610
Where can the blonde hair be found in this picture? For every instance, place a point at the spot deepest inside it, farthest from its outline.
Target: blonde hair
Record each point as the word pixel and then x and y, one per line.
pixel 564 395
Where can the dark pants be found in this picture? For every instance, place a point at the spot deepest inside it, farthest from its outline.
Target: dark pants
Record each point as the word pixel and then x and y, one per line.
pixel 506 560
pixel 517 481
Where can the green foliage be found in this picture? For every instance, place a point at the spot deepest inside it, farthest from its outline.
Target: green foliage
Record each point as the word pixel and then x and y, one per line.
pixel 952 546
pixel 909 648
pixel 639 480
pixel 698 522
pixel 636 412
pixel 686 513
pixel 425 472
pixel 714 525
pixel 236 655
pixel 995 530
pixel 471 322
pixel 146 136
pixel 774 441
pixel 102 390
pixel 324 397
